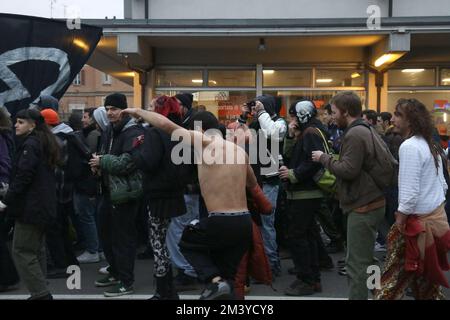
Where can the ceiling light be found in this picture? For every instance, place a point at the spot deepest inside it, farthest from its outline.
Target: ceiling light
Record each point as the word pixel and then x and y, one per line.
pixel 268 71
pixel 413 70
pixel 355 75
pixel 197 80
pixel 213 82
pixel 446 80
pixel 387 58
pixel 324 80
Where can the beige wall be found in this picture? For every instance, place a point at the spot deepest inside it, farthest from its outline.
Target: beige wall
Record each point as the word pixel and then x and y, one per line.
pixel 92 90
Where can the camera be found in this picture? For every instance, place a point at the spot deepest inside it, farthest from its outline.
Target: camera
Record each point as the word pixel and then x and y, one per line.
pixel 251 103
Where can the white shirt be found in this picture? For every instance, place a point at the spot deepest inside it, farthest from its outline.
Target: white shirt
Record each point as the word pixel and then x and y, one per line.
pixel 421 188
pixel 275 130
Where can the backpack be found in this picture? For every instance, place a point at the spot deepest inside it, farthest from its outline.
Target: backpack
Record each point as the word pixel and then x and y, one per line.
pixel 324 179
pixel 385 171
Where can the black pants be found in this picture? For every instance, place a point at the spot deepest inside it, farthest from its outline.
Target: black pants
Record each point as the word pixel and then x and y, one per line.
pixel 216 245
pixel 117 232
pixel 58 238
pixel 8 272
pixel 302 236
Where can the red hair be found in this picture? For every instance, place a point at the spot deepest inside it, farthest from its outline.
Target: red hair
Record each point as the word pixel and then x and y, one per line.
pixel 166 106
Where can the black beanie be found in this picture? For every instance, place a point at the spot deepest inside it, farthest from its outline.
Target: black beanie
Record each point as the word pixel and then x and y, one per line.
pixel 186 99
pixel 117 100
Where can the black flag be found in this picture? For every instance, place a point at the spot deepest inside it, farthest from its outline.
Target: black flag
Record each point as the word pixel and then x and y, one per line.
pixel 40 56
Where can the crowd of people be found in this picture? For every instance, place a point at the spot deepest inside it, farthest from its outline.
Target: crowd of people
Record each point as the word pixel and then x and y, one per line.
pixel 80 192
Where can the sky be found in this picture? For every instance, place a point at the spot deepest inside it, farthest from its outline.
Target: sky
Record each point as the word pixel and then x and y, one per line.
pixel 89 9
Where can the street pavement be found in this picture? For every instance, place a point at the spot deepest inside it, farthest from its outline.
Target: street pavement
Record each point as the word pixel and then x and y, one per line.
pixel 334 285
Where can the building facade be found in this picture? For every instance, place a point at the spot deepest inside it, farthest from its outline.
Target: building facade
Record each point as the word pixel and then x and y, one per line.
pixel 227 52
pixel 90 88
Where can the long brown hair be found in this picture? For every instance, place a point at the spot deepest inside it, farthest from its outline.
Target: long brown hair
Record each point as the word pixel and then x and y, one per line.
pixel 421 124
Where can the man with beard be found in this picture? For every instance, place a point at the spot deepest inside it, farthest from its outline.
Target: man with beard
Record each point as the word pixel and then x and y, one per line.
pixel 359 195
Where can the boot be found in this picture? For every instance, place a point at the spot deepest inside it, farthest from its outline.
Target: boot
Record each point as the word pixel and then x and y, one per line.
pixel 165 289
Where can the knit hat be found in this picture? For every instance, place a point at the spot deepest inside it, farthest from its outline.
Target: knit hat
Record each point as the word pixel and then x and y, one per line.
pixel 47 101
pixel 50 116
pixel 117 100
pixel 186 99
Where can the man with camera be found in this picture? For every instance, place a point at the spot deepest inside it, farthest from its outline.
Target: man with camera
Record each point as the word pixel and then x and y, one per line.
pixel 271 128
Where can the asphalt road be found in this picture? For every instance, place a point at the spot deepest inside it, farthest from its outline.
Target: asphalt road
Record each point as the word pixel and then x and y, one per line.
pixel 334 285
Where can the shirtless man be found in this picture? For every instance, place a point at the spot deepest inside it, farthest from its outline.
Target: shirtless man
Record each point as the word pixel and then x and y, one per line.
pixel 215 245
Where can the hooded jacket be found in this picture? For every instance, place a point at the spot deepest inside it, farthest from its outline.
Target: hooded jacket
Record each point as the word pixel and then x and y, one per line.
pixel 101 118
pixel 297 153
pixel 31 197
pixel 118 139
pixel 273 128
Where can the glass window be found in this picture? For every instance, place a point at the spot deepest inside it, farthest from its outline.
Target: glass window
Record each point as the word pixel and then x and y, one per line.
pixel 286 78
pixel 320 98
pixel 106 78
pixel 411 77
pixel 225 105
pixel 232 78
pixel 179 78
pixel 339 78
pixel 445 77
pixel 77 79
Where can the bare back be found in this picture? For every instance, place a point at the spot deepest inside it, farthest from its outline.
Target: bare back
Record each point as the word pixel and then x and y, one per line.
pixel 223 184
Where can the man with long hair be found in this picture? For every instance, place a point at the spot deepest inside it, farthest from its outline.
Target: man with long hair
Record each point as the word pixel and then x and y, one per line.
pixel 420 238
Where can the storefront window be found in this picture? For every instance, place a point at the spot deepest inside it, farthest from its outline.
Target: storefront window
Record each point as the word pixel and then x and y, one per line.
pixel 224 104
pixel 231 78
pixel 411 77
pixel 445 77
pixel 286 78
pixel 320 98
pixel 339 78
pixel 179 78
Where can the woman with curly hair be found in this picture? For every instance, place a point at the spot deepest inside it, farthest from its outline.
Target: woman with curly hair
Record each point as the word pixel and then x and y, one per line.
pixel 420 238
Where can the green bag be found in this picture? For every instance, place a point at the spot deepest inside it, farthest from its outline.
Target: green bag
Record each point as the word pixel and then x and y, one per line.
pixel 324 179
pixel 125 181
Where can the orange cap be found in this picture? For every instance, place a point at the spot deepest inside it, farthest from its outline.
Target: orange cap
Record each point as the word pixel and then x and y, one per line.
pixel 50 116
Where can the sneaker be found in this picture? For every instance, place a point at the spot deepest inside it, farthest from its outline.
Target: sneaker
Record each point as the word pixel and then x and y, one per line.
pixel 380 247
pixel 119 290
pixel 299 288
pixel 105 270
pixel 101 256
pixel 183 282
pixel 217 291
pixel 88 257
pixel 106 282
pixel 48 296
